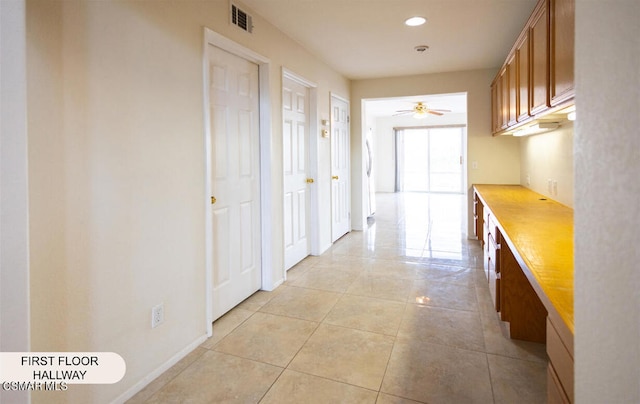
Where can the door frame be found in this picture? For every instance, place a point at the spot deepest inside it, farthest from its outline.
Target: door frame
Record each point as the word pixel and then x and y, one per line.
pixel 213 38
pixel 313 167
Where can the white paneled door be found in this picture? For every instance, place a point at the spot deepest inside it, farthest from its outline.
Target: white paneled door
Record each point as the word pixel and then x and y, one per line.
pixel 340 170
pixel 295 129
pixel 235 178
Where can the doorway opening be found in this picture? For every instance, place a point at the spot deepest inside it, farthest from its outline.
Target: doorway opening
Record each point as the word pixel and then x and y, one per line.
pixel 437 166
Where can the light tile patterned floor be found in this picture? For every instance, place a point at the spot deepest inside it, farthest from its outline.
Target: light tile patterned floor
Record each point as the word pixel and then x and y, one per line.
pixel 399 313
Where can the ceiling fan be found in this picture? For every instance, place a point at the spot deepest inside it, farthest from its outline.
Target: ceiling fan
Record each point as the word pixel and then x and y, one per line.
pixel 420 110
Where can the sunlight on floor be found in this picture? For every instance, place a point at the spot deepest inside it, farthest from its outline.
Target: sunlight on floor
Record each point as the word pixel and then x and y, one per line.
pixel 422 225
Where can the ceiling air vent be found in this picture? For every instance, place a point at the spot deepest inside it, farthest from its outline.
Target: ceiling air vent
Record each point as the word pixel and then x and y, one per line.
pixel 241 19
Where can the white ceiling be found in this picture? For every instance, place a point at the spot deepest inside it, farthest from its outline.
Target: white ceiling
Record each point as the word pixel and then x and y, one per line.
pixel 368 39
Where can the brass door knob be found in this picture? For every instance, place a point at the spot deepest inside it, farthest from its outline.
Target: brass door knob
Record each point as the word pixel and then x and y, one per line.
pixel 309 180
pixel 335 177
pixel 213 200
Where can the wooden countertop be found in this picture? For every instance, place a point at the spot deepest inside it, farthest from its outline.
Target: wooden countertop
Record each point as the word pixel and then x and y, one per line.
pixel 539 232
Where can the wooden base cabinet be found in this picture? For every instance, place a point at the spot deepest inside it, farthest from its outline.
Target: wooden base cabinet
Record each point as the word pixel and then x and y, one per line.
pixel 519 262
pixel 520 304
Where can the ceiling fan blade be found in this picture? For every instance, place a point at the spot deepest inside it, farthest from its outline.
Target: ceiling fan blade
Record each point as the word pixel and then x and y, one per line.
pixel 431 111
pixel 403 113
pixel 440 110
pixel 405 110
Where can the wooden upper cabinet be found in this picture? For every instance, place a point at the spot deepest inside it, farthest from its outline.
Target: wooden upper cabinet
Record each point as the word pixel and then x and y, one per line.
pixel 538 75
pixel 512 91
pixel 562 27
pixel 522 67
pixel 539 64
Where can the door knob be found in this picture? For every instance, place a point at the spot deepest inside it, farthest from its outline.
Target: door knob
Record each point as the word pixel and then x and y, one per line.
pixel 335 177
pixel 213 200
pixel 309 180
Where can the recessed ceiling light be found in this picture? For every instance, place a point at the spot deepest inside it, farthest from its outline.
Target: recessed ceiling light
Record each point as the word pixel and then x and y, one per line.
pixel 415 21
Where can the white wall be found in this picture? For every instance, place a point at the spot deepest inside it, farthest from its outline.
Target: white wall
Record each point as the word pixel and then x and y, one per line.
pixel 549 156
pixel 497 158
pixel 607 197
pixel 14 243
pixel 116 174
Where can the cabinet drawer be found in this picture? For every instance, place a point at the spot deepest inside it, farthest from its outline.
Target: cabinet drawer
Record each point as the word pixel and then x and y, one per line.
pixel 560 359
pixel 555 393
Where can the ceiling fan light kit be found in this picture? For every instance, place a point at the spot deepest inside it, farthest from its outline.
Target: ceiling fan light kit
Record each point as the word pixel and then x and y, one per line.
pixel 420 111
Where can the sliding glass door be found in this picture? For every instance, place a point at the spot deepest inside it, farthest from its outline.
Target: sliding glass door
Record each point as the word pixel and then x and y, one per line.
pixel 429 159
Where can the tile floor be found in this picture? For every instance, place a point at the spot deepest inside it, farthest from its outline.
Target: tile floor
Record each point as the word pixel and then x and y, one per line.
pixel 399 313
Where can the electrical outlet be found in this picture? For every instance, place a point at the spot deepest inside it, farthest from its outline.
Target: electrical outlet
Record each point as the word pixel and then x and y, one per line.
pixel 157 315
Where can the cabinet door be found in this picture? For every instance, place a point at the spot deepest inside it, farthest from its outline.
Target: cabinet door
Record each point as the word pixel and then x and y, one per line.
pixel 522 67
pixel 486 215
pixel 495 108
pixel 499 101
pixel 539 37
pixel 493 270
pixel 512 91
pixel 562 17
pixel 503 96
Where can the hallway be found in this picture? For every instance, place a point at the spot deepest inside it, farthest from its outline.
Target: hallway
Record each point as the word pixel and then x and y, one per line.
pixel 399 313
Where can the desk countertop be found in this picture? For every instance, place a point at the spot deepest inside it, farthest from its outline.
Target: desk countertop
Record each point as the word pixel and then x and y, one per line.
pixel 539 232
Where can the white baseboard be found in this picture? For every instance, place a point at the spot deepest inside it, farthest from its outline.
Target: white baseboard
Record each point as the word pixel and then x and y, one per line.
pixel 136 388
pixel 280 282
pixel 275 285
pixel 325 248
